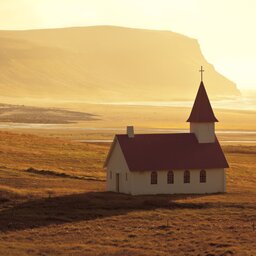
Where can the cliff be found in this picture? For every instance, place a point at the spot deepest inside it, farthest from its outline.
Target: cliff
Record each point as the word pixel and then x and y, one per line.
pixel 105 63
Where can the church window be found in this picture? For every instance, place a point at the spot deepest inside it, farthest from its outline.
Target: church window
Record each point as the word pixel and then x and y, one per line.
pixel 153 177
pixel 202 176
pixel 170 177
pixel 110 174
pixel 187 176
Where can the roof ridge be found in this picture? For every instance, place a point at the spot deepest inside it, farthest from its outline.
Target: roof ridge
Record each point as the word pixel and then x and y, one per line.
pixel 179 133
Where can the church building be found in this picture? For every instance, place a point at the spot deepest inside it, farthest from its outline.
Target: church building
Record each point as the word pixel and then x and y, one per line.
pixel 171 163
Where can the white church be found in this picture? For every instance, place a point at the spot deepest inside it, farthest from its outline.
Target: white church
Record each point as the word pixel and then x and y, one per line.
pixel 182 163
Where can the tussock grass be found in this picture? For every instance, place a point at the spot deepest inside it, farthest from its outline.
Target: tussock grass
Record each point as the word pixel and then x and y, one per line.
pixel 23 151
pixel 61 174
pixel 8 193
pixel 53 213
pixel 239 149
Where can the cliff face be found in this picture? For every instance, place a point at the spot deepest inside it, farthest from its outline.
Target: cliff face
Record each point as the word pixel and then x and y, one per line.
pixel 105 63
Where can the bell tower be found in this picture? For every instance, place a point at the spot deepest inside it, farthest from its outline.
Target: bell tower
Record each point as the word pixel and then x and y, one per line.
pixel 202 119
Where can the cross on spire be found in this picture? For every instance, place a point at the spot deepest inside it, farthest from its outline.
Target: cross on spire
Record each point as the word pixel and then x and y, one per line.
pixel 201 71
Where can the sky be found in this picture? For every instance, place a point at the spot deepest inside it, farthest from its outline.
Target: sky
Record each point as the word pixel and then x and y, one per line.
pixel 225 29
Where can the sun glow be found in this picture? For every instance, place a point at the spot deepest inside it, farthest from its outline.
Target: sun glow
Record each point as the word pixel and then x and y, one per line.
pixel 224 28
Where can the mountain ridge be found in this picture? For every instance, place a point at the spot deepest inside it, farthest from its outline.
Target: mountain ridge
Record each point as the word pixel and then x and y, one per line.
pixel 105 63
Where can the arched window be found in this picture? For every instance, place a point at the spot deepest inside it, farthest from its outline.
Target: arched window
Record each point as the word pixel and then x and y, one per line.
pixel 153 177
pixel 170 177
pixel 187 176
pixel 202 176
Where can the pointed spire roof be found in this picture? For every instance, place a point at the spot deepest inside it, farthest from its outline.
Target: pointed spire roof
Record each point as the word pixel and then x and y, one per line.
pixel 202 110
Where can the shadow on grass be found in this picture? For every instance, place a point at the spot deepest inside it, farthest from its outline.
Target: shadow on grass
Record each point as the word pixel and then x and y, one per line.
pixel 86 206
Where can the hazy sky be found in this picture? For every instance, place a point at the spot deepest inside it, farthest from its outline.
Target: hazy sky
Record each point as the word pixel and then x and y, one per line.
pixel 226 29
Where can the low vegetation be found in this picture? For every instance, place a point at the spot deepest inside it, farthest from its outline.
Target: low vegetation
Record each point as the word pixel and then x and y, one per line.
pixel 23 151
pixel 48 207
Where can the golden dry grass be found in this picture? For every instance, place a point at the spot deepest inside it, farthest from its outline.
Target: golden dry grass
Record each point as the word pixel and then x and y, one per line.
pixel 54 215
pixel 22 151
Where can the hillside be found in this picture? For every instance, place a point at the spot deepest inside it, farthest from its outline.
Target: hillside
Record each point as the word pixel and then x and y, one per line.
pixel 104 63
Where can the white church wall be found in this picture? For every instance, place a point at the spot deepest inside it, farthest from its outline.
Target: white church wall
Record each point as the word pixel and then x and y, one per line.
pixel 141 183
pixel 118 165
pixel 203 131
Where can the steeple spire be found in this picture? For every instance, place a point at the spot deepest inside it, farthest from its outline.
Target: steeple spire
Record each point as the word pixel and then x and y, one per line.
pixel 202 111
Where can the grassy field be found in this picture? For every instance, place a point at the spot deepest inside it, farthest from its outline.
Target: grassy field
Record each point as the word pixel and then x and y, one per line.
pixel 60 208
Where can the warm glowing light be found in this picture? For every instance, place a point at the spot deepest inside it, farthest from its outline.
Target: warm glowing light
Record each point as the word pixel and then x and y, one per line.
pixel 225 29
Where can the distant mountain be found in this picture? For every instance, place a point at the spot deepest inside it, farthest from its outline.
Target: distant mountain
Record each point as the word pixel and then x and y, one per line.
pixel 105 63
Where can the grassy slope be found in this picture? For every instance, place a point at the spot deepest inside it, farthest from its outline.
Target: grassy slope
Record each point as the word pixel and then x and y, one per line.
pixel 47 215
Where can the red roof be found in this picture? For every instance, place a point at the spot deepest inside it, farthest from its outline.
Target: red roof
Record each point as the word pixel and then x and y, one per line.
pixel 148 152
pixel 202 111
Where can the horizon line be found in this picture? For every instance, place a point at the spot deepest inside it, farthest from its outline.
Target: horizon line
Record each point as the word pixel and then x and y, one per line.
pixel 98 25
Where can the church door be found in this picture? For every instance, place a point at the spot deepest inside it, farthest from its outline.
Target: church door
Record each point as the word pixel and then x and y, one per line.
pixel 117 182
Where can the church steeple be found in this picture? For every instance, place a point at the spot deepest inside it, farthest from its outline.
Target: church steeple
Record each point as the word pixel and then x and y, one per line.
pixel 202 119
pixel 202 110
